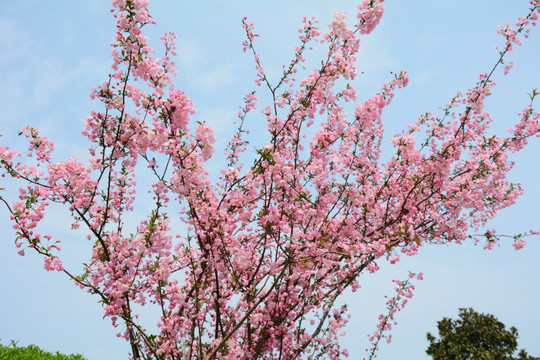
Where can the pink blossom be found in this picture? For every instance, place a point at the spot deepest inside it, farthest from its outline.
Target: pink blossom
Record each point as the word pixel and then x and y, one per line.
pixel 519 244
pixel 270 244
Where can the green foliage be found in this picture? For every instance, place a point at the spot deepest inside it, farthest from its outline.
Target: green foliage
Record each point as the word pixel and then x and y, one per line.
pixel 32 352
pixel 474 336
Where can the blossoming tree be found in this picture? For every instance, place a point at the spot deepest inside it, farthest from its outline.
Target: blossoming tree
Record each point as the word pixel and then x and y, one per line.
pixel 271 244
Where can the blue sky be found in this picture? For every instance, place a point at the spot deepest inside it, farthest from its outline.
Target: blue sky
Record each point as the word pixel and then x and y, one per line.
pixel 53 53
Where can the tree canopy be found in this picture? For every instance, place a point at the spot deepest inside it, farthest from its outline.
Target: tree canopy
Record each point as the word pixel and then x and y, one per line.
pixel 474 336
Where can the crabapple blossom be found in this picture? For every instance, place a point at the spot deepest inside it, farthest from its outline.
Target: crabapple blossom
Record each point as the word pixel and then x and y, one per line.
pixel 272 244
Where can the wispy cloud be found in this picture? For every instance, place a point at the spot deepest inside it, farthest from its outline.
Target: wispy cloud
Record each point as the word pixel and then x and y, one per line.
pixel 189 54
pixel 220 75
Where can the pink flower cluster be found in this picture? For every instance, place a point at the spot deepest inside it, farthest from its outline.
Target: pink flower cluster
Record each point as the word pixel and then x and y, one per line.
pixel 404 291
pixel 271 245
pixel 523 25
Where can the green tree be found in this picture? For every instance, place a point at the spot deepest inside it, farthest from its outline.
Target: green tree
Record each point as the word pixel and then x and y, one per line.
pixel 474 336
pixel 32 352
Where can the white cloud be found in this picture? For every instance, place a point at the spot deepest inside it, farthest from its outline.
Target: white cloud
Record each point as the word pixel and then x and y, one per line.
pixel 220 75
pixel 15 42
pixel 375 54
pixel 189 54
